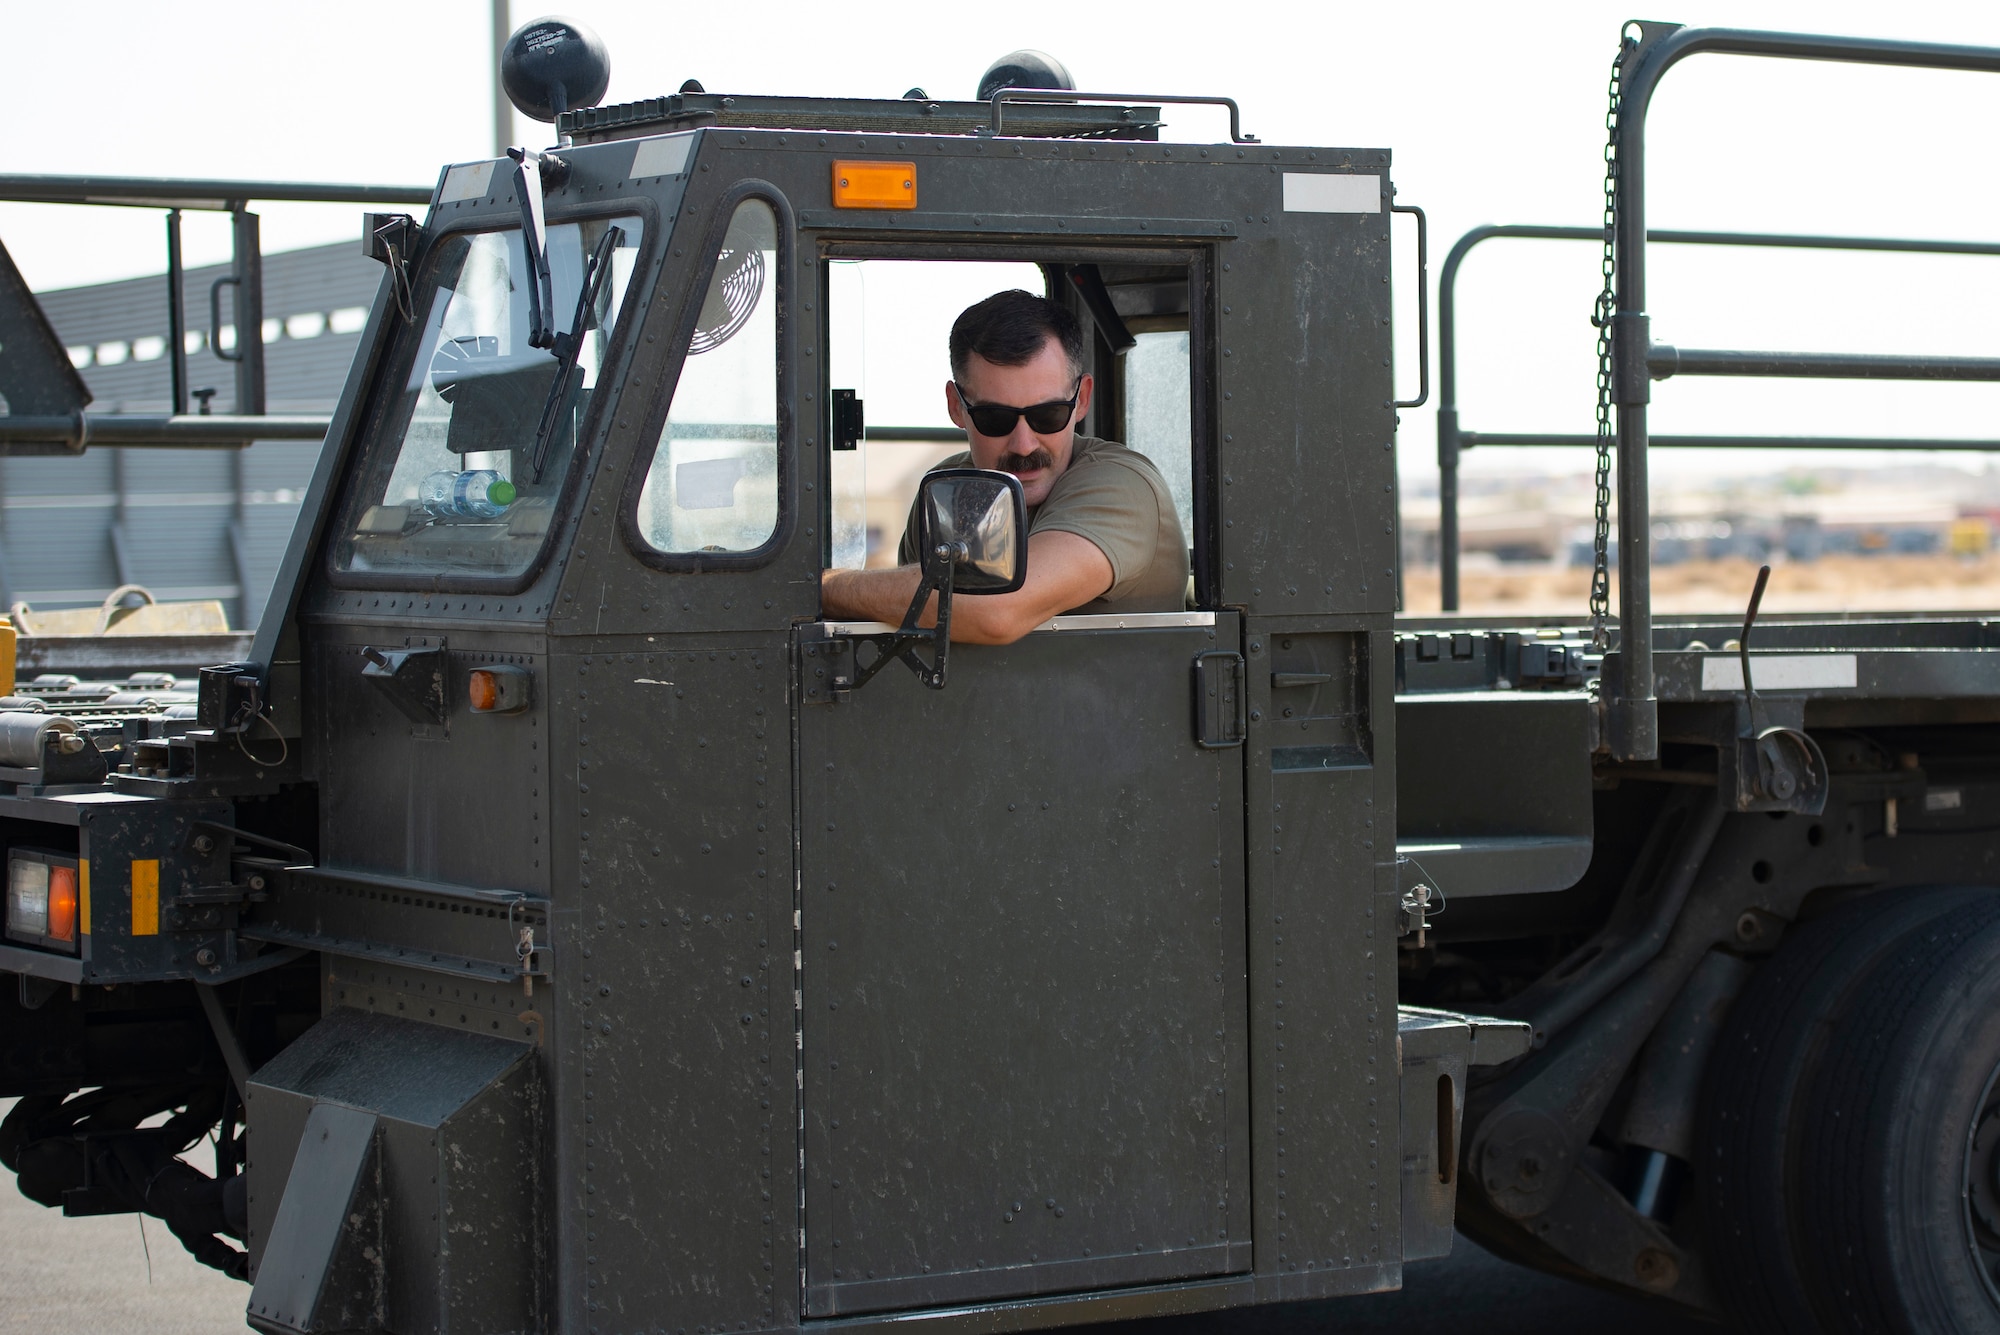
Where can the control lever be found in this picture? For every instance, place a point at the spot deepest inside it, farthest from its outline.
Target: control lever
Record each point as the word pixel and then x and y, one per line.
pixel 1777 768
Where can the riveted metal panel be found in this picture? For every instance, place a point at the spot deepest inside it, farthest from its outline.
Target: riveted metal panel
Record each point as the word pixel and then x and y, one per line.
pixel 679 1139
pixel 1321 859
pixel 464 801
pixel 1022 977
pixel 1303 391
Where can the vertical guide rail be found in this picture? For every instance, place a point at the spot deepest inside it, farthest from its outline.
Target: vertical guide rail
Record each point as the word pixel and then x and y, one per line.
pixel 1447 409
pixel 176 317
pixel 1633 715
pixel 249 257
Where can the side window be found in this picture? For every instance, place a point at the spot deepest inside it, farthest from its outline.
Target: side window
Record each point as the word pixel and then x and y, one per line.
pixel 1158 413
pixel 713 482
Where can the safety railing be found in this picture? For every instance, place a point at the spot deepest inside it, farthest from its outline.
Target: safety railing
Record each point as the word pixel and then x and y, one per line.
pixel 1649 50
pixel 245 280
pixel 1454 440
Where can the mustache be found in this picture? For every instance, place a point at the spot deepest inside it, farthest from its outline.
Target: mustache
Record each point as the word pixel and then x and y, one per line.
pixel 1027 463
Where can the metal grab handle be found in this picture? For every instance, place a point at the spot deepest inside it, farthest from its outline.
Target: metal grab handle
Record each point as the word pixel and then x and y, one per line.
pixel 1423 306
pixel 215 320
pixel 1004 95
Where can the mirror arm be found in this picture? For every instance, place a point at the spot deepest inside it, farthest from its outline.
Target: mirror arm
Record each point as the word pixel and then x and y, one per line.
pixel 904 643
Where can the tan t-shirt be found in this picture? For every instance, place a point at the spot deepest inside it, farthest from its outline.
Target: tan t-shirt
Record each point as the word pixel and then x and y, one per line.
pixel 1117 499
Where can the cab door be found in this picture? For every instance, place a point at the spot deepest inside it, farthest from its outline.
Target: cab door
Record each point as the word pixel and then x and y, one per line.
pixel 1022 965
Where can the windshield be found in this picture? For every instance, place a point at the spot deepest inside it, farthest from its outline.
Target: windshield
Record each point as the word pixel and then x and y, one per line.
pixel 470 459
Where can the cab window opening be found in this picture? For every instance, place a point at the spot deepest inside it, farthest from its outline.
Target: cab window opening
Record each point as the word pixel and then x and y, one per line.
pixel 476 436
pixel 885 333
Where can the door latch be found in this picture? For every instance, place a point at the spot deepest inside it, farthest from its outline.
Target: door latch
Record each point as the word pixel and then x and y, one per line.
pixel 1221 705
pixel 850 422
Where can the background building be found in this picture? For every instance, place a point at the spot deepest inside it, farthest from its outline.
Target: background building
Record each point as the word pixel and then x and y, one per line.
pixel 187 524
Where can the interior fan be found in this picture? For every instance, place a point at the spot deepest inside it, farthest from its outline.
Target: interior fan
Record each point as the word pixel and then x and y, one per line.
pixel 732 296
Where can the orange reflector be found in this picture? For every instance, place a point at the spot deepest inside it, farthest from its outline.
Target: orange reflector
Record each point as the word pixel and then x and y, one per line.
pixel 62 903
pixel 483 690
pixel 145 896
pixel 874 185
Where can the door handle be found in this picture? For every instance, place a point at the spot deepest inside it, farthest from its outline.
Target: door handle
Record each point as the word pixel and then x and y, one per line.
pixel 1221 705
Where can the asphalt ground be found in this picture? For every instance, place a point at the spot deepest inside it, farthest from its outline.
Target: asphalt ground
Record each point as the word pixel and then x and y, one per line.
pixel 95 1275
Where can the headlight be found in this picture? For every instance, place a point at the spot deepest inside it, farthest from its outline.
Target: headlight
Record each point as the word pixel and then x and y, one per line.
pixel 42 900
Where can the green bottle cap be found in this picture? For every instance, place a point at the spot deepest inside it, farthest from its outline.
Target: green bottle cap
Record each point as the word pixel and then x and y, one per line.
pixel 500 492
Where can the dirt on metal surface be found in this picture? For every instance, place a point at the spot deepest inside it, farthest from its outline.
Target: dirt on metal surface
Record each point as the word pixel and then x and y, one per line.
pixel 91 1274
pixel 1470 1291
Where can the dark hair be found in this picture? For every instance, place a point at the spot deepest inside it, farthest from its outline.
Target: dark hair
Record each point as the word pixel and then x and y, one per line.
pixel 1009 328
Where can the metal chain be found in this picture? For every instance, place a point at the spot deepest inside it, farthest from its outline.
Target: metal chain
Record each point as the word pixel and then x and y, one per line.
pixel 1607 305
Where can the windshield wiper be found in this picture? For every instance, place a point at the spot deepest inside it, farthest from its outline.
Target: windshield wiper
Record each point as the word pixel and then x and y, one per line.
pixel 529 169
pixel 568 346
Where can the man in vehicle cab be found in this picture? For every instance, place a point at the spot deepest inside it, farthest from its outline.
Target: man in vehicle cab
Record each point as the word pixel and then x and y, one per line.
pixel 1103 535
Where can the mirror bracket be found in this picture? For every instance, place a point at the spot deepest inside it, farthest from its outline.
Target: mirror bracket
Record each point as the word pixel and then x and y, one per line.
pixel 968 517
pixel 910 637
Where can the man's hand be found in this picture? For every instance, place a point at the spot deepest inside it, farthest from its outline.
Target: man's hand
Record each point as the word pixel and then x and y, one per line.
pixel 1064 571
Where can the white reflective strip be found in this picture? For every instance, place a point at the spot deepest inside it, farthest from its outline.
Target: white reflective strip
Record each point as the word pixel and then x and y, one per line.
pixel 467 182
pixel 1128 621
pixel 661 157
pixel 1780 672
pixel 1331 192
pixel 1095 621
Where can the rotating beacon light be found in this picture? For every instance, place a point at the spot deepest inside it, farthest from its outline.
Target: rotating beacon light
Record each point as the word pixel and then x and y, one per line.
pixel 553 65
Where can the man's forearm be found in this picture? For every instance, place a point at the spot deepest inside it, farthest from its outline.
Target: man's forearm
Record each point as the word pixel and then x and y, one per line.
pixel 884 595
pixel 871 595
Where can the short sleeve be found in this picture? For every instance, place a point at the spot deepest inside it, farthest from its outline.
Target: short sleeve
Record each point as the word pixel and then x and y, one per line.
pixel 1112 505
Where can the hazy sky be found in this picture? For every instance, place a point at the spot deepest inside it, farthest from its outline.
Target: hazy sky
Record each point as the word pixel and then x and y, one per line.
pixel 1494 113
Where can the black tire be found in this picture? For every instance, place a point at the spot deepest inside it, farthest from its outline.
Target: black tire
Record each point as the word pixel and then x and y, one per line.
pixel 1769 1051
pixel 1899 1123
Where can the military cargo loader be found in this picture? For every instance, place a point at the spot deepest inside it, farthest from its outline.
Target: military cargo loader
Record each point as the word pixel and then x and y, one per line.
pixel 562 925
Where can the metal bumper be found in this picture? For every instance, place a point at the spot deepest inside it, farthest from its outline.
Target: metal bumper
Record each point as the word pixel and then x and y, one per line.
pixel 1437 1048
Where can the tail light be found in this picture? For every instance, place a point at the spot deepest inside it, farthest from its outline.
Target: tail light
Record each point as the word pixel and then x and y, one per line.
pixel 42 900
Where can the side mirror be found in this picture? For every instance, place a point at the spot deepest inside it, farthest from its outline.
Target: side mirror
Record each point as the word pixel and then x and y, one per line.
pixel 973 524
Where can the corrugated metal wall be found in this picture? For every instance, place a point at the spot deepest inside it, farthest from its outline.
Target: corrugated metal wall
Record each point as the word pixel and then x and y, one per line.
pixel 184 523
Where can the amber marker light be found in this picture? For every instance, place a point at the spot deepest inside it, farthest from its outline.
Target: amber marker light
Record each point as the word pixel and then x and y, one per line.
pixel 484 691
pixel 498 690
pixel 62 904
pixel 874 185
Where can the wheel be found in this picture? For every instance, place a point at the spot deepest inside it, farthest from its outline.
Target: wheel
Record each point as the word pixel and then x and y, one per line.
pixel 1769 1050
pixel 1896 1167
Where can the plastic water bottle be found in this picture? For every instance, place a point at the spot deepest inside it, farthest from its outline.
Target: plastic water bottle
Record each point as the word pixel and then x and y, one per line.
pixel 479 493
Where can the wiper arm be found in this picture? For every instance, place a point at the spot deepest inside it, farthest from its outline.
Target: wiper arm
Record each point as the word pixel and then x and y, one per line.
pixel 529 167
pixel 568 346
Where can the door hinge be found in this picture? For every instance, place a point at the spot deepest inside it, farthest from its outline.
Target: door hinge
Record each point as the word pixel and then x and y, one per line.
pixel 826 670
pixel 1221 705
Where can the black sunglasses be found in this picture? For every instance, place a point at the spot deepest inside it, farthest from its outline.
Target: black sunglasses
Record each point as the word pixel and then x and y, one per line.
pixel 997 419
